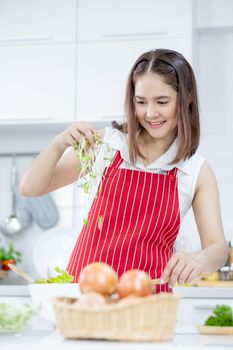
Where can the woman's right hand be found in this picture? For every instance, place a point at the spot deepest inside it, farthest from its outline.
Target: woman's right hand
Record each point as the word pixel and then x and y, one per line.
pixel 43 176
pixel 77 131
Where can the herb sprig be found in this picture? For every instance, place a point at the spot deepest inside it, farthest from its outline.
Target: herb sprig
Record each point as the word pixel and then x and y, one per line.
pixel 87 156
pixel 222 316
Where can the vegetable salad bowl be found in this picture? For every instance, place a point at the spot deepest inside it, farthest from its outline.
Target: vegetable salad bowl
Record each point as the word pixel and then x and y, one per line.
pixel 15 318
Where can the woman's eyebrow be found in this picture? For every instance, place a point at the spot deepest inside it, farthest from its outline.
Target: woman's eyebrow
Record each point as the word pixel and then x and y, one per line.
pixel 156 98
pixel 140 97
pixel 161 97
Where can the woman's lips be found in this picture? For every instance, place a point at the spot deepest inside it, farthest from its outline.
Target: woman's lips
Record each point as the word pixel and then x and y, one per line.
pixel 156 125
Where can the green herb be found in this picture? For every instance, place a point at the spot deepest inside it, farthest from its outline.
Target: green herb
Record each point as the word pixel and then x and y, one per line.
pixel 10 253
pixel 222 316
pixel 87 156
pixel 85 221
pixel 62 277
pixel 14 318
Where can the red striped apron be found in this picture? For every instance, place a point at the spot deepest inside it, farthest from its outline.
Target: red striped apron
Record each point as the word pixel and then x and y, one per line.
pixel 133 222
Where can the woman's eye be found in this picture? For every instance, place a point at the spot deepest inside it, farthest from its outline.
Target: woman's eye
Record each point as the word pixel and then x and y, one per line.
pixel 141 102
pixel 162 102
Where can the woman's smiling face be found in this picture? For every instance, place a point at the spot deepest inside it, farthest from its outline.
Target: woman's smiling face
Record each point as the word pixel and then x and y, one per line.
pixel 156 106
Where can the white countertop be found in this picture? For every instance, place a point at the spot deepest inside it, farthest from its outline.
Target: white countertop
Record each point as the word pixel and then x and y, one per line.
pixel 184 338
pixel 43 336
pixel 185 292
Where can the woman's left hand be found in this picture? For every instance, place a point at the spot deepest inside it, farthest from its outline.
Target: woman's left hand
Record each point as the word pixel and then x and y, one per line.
pixel 182 268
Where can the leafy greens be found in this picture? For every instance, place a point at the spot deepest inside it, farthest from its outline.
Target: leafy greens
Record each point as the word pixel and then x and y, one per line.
pixel 62 277
pixel 222 316
pixel 14 318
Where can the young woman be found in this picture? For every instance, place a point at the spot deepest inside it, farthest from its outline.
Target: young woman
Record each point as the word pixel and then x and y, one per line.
pixel 154 178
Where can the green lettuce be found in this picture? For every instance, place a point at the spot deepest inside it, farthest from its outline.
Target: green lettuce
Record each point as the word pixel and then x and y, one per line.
pixel 222 316
pixel 62 277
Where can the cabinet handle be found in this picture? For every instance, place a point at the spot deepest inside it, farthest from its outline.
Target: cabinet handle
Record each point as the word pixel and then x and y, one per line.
pixel 131 35
pixel 204 306
pixel 26 38
pixel 20 120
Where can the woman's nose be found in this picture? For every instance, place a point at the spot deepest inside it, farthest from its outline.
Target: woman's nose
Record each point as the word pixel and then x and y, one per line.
pixel 151 111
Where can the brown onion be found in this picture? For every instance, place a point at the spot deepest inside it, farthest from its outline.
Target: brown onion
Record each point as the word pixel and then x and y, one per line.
pixel 134 282
pixel 91 299
pixel 98 277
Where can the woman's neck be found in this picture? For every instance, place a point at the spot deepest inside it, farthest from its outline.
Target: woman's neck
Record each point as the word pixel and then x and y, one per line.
pixel 152 149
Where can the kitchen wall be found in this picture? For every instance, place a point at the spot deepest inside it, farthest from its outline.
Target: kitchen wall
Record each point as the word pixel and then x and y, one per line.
pixel 212 52
pixel 63 198
pixel 209 48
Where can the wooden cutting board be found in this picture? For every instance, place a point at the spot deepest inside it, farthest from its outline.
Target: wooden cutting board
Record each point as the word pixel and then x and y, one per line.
pixel 222 284
pixel 215 330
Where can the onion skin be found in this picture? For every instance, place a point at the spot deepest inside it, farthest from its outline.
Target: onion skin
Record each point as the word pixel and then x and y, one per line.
pixel 98 277
pixel 91 299
pixel 134 283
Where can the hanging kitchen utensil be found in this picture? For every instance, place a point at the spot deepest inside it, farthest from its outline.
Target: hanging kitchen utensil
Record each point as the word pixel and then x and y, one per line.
pixel 23 207
pixel 43 211
pixel 21 273
pixel 12 225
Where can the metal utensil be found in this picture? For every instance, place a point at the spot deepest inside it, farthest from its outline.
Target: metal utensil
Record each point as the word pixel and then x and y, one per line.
pixel 12 225
pixel 21 273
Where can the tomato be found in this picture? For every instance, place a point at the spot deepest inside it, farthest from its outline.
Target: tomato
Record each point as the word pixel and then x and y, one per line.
pixel 6 262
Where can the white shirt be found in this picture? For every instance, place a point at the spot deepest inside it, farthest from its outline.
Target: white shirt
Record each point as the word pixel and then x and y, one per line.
pixel 115 140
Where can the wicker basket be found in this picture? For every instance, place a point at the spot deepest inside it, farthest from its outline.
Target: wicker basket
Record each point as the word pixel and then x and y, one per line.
pixel 143 319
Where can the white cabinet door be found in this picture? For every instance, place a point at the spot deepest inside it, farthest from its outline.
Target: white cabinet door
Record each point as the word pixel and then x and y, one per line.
pixel 102 72
pixel 37 82
pixel 128 19
pixel 37 20
pixel 213 13
pixel 193 312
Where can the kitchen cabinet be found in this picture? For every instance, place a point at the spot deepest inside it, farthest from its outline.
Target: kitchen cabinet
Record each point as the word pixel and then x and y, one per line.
pixel 37 83
pixel 129 19
pixel 102 72
pixel 194 311
pixel 213 14
pixel 111 35
pixel 37 21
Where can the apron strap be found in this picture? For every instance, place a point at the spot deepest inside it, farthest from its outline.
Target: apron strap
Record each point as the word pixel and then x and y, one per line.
pixel 117 160
pixel 172 174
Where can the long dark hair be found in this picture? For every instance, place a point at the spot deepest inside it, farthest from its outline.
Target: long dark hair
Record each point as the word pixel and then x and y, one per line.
pixel 177 72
